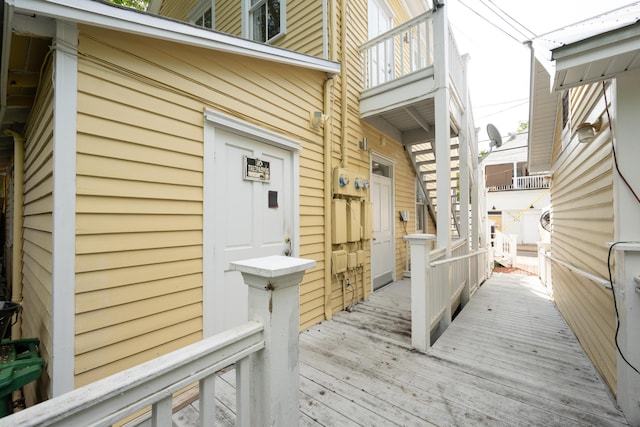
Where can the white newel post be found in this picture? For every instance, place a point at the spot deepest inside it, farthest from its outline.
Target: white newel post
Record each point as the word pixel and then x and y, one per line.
pixel 420 315
pixel 274 300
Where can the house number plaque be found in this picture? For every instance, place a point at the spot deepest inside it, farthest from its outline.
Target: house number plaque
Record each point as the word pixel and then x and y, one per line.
pixel 256 169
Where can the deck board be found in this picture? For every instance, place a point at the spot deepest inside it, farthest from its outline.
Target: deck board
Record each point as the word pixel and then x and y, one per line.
pixel 509 358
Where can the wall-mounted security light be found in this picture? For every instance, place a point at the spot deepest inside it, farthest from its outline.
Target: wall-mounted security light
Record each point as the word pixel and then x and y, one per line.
pixel 318 119
pixel 587 131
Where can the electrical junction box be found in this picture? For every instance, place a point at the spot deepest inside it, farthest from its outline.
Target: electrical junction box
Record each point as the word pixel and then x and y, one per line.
pixel 339 261
pixel 352 260
pixel 359 257
pixel 367 222
pixel 353 220
pixel 347 182
pixel 338 221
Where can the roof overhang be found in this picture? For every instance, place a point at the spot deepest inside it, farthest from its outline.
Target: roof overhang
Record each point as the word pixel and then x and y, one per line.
pixel 542 118
pixel 105 15
pixel 597 58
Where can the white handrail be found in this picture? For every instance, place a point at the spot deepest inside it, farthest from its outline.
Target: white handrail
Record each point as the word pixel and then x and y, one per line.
pixel 593 278
pixel 457 258
pixel 112 399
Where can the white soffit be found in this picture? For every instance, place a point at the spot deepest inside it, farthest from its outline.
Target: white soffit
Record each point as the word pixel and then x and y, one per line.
pixel 597 58
pixel 99 14
pixel 542 119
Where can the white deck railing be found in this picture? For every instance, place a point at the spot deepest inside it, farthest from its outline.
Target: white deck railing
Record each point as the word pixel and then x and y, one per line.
pixel 399 52
pixel 534 182
pixel 406 49
pixel 266 366
pixel 435 285
pixel 505 247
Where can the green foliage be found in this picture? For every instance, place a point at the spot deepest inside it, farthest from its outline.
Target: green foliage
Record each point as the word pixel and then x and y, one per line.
pixel 135 4
pixel 522 126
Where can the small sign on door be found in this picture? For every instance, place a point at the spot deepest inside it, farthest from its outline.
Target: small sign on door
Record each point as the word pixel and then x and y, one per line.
pixel 256 170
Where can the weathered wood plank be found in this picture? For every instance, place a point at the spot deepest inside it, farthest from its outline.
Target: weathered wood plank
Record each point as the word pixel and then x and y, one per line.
pixel 507 359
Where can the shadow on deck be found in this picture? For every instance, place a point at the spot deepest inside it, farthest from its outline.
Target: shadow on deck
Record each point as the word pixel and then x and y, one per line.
pixel 508 359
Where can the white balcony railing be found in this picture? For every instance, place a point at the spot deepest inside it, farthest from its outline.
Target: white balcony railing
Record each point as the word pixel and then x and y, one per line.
pixel 266 366
pixel 406 49
pixel 436 283
pixel 534 182
pixel 399 52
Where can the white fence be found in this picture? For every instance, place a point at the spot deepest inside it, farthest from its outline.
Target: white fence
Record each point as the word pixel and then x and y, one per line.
pixel 266 366
pixel 505 247
pixel 436 284
pixel 533 182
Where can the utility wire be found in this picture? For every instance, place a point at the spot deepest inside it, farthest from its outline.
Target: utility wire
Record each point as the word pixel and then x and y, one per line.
pixel 513 19
pixel 502 111
pixel 502 103
pixel 491 23
pixel 503 19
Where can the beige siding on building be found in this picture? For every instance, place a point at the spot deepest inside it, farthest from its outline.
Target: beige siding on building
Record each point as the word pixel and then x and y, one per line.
pixel 139 187
pixel 37 229
pixel 582 221
pixel 229 17
pixel 177 9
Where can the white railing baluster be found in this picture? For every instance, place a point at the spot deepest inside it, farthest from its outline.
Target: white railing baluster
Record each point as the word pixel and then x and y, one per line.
pixel 207 401
pixel 161 413
pixel 243 405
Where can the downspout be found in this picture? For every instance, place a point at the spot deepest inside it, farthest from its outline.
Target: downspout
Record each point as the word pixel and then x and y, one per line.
pixel 344 156
pixel 18 189
pixel 328 166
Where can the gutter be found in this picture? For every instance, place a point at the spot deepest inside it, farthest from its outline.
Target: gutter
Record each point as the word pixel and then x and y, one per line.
pixel 4 60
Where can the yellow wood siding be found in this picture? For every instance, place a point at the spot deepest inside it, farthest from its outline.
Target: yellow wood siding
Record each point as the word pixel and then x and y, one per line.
pixel 229 17
pixel 303 22
pixel 582 223
pixel 37 229
pixel 177 9
pixel 139 187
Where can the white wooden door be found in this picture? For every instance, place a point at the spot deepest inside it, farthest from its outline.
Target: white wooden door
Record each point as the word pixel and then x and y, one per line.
pixel 382 248
pixel 253 218
pixel 379 22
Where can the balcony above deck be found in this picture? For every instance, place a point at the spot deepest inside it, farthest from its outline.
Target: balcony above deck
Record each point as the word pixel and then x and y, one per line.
pixel 403 70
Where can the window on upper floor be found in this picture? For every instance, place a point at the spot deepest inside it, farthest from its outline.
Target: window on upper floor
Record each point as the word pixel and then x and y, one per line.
pixel 266 19
pixel 202 14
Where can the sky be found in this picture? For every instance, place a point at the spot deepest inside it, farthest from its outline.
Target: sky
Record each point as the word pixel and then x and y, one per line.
pixel 499 67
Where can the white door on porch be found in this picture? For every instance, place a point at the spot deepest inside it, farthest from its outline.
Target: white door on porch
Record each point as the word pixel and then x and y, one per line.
pixel 382 245
pixel 253 217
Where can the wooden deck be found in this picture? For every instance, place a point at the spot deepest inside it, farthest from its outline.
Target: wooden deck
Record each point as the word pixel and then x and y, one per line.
pixel 507 359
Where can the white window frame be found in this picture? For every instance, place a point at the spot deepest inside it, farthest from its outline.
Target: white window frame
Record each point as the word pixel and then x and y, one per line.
pixel 199 10
pixel 247 27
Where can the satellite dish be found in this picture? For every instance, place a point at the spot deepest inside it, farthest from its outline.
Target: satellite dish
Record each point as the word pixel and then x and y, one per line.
pixel 545 220
pixel 494 136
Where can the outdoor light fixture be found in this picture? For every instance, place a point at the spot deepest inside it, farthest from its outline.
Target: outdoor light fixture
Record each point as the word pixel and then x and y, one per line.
pixel 587 131
pixel 318 119
pixel 362 144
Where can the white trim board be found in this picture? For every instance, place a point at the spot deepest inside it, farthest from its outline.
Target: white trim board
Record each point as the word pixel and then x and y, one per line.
pixel 135 22
pixel 64 208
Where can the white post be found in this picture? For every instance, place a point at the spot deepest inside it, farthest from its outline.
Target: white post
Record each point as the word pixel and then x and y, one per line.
pixel 420 313
pixel 627 228
pixel 274 300
pixel 442 129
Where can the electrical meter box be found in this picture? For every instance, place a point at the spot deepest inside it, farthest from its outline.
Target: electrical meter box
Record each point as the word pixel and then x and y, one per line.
pixel 359 257
pixel 352 260
pixel 353 220
pixel 367 226
pixel 339 261
pixel 339 221
pixel 347 182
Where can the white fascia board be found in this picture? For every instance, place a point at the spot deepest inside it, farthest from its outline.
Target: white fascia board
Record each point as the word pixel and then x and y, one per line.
pixel 130 21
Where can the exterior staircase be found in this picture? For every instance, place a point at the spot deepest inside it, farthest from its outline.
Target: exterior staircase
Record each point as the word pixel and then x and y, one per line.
pixel 423 157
